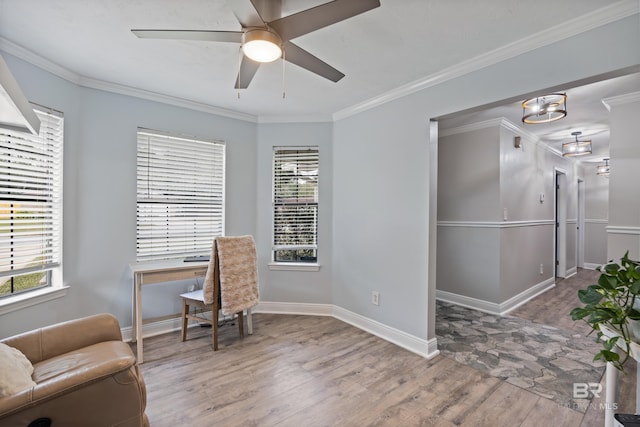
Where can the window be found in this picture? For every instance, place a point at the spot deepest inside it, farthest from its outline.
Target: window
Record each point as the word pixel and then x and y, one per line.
pixel 31 206
pixel 180 206
pixel 295 204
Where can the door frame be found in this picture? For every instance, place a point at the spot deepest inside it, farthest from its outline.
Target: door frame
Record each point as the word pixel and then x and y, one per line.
pixel 560 222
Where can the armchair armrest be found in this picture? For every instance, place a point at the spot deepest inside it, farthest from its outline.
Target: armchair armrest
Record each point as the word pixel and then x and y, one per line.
pixel 51 341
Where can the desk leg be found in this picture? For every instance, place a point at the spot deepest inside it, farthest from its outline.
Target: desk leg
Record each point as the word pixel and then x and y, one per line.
pixel 610 396
pixel 138 319
pixel 134 316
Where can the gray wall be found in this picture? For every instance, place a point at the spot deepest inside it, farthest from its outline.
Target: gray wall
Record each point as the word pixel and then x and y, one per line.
pixel 494 232
pixel 295 286
pixel 624 192
pixel 596 214
pixel 469 176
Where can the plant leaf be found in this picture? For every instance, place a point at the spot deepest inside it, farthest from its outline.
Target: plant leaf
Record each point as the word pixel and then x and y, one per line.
pixel 611 268
pixel 607 282
pixel 600 315
pixel 579 313
pixel 590 296
pixel 609 356
pixel 633 314
pixel 610 343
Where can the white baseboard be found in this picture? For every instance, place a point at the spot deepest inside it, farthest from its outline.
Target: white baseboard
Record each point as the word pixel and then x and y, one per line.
pixel 571 272
pixel 424 348
pixel 468 302
pixel 409 342
pixel 494 308
pixel 153 328
pixel 591 266
pixel 293 308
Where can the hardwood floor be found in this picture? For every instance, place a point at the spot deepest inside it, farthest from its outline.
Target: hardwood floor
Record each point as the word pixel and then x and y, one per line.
pixel 319 371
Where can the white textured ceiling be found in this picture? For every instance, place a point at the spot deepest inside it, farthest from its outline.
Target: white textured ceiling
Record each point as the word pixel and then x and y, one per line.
pixel 388 47
pixel 380 51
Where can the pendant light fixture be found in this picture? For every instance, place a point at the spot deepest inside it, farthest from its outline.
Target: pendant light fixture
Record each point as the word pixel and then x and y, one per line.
pixel 544 109
pixel 603 168
pixel 576 148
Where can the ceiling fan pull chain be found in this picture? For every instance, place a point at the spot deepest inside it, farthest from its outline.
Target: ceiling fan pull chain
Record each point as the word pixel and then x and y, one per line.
pixel 240 70
pixel 283 66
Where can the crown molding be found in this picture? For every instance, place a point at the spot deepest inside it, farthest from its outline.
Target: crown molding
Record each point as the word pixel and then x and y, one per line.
pixel 578 25
pixel 309 118
pixel 164 99
pixel 497 122
pixel 615 101
pixel 504 123
pixel 77 79
pixel 26 55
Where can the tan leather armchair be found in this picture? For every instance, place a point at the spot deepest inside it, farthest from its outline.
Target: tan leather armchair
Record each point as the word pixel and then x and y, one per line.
pixel 85 375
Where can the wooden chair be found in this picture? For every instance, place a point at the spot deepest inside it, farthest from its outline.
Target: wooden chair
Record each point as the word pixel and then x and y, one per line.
pixel 196 300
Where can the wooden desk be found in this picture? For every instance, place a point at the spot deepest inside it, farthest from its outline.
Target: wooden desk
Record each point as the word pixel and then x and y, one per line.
pixel 147 273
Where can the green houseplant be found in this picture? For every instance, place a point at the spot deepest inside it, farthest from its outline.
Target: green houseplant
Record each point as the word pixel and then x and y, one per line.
pixel 611 308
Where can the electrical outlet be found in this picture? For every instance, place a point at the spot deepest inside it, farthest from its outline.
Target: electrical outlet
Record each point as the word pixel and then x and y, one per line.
pixel 375 298
pixel 541 269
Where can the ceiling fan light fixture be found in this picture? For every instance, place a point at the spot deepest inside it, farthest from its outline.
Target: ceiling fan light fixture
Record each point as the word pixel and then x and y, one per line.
pixel 261 45
pixel 576 148
pixel 544 109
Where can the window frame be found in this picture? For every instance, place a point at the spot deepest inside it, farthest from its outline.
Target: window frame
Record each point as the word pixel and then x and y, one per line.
pixel 51 131
pixel 294 265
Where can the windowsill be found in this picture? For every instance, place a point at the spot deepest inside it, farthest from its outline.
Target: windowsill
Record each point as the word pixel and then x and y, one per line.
pixel 27 299
pixel 293 266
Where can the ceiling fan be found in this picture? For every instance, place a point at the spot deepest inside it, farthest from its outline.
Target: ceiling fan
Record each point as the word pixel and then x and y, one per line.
pixel 266 35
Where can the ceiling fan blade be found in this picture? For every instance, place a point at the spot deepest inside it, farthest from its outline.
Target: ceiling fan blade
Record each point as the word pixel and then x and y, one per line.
pixel 247 70
pixel 208 36
pixel 269 10
pixel 312 19
pixel 246 13
pixel 302 58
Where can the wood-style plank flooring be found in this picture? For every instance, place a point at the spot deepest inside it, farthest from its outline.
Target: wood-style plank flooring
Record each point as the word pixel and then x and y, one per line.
pixel 319 371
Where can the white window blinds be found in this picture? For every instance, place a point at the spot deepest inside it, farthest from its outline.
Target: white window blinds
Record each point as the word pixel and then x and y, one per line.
pixel 295 204
pixel 31 203
pixel 180 205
